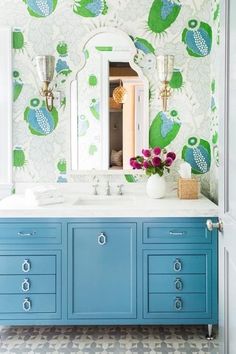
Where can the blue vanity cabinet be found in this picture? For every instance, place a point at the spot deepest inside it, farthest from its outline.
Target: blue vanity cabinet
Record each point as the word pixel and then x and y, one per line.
pixel 102 271
pixel 98 271
pixel 179 272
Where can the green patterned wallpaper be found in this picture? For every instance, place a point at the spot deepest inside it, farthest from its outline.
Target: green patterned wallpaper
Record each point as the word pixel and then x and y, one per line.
pixel 189 29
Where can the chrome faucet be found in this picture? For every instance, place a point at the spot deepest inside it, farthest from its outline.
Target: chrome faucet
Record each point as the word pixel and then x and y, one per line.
pixel 120 191
pixel 95 185
pixel 108 188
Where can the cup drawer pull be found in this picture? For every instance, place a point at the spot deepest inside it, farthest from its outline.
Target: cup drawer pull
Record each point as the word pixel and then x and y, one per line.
pixel 26 266
pixel 178 284
pixel 177 233
pixel 26 304
pixel 102 240
pixel 178 304
pixel 177 265
pixel 26 234
pixel 25 286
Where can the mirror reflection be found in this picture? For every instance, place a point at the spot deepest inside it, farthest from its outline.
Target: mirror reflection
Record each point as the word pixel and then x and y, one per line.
pixel 125 114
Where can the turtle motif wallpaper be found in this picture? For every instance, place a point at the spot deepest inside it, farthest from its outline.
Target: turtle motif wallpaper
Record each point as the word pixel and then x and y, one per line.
pixel 188 29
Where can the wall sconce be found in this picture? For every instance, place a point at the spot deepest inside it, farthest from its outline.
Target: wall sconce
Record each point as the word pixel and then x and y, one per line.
pixel 165 65
pixel 45 67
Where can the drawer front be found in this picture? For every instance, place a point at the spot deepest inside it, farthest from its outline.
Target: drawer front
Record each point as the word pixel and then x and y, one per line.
pixel 30 233
pixel 31 284
pixel 176 233
pixel 27 264
pixel 42 303
pixel 175 303
pixel 194 283
pixel 177 264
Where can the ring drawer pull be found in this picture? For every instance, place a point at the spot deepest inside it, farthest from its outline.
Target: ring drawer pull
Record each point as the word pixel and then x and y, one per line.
pixel 178 304
pixel 177 265
pixel 178 284
pixel 26 304
pixel 177 233
pixel 25 286
pixel 26 266
pixel 102 240
pixel 26 234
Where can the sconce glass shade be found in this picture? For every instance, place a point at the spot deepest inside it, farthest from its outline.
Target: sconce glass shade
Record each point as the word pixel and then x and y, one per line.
pixel 45 67
pixel 165 65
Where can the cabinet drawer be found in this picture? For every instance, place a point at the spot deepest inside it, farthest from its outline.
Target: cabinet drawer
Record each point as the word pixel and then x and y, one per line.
pixel 194 283
pixel 182 263
pixel 176 233
pixel 30 233
pixel 40 303
pixel 27 264
pixel 32 284
pixel 177 303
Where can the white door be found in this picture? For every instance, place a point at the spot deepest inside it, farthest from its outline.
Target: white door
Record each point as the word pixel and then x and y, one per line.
pixel 227 238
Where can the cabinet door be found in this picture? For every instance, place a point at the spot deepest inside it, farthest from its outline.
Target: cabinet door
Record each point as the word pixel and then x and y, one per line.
pixel 102 270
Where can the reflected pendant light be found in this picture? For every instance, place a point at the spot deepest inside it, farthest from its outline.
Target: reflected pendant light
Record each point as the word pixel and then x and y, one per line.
pixel 120 93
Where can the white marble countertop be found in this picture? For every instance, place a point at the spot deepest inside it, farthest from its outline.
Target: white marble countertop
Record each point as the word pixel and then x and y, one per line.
pixel 134 203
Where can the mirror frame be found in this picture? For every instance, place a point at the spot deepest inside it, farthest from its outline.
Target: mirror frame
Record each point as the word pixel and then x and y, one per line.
pixel 111 56
pixel 6 181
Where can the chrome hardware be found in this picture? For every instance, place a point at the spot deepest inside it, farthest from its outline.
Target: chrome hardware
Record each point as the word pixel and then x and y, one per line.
pixel 26 304
pixel 26 234
pixel 175 233
pixel 178 304
pixel 177 265
pixel 26 266
pixel 95 190
pixel 214 225
pixel 178 284
pixel 25 286
pixel 120 186
pixel 102 239
pixel 108 188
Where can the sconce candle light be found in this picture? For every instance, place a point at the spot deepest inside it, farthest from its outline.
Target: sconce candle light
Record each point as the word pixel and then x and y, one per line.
pixel 165 65
pixel 45 67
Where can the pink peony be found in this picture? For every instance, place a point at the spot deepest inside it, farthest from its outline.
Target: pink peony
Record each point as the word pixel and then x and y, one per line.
pixel 132 160
pixel 168 161
pixel 146 152
pixel 146 164
pixel 156 161
pixel 137 165
pixel 172 155
pixel 157 150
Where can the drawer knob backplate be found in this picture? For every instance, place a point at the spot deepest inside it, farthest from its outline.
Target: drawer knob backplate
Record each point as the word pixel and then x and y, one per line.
pixel 178 304
pixel 26 304
pixel 177 265
pixel 178 284
pixel 102 240
pixel 26 266
pixel 25 286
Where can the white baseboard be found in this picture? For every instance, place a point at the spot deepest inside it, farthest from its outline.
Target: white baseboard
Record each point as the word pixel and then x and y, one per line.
pixel 5 190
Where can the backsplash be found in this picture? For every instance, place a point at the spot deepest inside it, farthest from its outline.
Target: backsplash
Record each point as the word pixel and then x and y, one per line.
pixel 188 29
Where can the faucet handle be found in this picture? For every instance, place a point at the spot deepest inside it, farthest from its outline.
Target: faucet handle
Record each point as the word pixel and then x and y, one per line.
pixel 120 191
pixel 95 189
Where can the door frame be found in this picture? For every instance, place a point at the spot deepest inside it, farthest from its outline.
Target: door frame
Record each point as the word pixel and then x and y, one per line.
pixel 224 173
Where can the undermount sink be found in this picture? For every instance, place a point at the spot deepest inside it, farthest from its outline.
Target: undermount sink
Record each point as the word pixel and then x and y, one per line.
pixel 104 200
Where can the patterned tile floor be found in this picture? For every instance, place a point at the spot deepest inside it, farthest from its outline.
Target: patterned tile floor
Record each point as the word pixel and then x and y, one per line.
pixel 106 340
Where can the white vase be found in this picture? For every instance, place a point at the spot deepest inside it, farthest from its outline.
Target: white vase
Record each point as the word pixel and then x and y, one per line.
pixel 156 186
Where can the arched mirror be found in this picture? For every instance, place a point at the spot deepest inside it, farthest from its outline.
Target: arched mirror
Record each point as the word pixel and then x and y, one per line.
pixel 109 105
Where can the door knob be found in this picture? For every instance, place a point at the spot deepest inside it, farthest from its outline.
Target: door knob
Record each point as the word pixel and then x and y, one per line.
pixel 214 225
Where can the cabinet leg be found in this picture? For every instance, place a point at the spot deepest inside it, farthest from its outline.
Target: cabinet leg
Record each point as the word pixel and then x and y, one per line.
pixel 209 335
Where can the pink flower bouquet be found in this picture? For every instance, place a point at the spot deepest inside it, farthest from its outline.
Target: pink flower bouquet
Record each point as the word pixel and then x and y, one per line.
pixel 153 161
